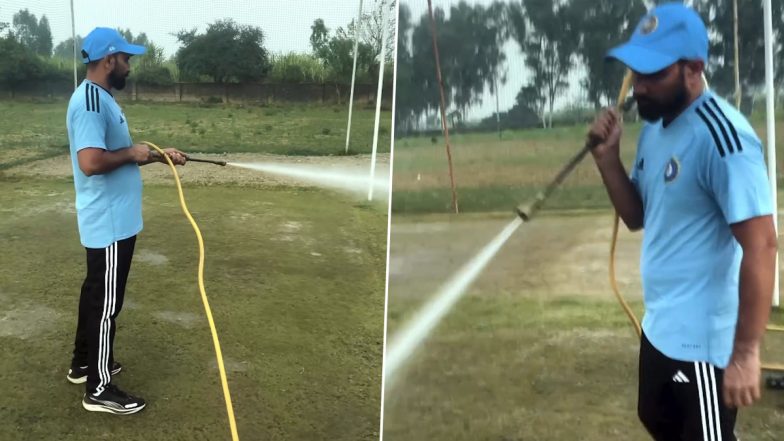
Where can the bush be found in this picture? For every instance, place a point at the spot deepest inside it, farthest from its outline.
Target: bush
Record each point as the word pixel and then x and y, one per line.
pixel 297 68
pixel 572 115
pixel 18 64
pixel 155 76
pixel 59 70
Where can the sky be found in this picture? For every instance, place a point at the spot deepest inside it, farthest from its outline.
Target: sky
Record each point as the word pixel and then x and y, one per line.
pixel 286 23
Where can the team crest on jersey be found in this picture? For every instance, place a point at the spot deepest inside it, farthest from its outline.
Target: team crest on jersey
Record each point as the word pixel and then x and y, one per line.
pixel 672 170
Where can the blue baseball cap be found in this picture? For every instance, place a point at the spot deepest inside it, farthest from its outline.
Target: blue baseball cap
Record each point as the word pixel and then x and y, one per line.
pixel 101 42
pixel 667 34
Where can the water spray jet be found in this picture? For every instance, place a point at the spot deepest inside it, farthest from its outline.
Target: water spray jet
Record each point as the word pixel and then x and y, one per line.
pixel 406 341
pixel 337 178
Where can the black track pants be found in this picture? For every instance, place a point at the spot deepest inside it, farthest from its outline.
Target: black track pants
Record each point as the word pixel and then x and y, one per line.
pixel 100 303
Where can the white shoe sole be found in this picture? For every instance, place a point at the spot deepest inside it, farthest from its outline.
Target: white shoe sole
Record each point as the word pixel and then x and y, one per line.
pixel 106 409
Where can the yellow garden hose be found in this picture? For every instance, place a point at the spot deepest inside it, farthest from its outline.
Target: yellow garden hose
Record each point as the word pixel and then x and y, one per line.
pixel 218 354
pixel 614 242
pixel 627 82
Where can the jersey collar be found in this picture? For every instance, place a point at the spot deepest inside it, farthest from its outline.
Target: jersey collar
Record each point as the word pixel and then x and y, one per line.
pixel 98 85
pixel 684 116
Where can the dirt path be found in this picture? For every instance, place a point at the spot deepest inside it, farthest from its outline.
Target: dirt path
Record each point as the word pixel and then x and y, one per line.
pixel 551 256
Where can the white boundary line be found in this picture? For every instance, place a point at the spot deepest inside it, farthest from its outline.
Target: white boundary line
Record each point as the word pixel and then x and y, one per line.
pixel 389 220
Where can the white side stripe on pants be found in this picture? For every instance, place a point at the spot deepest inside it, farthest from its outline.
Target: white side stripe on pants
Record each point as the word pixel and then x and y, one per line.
pixel 104 334
pixel 709 404
pixel 715 403
pixel 108 331
pixel 106 281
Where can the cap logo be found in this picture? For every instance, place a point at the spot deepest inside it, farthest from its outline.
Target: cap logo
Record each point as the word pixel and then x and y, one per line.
pixel 650 23
pixel 111 48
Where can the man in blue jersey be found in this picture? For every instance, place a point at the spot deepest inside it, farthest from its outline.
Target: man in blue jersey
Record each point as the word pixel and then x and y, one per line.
pixel 109 213
pixel 700 190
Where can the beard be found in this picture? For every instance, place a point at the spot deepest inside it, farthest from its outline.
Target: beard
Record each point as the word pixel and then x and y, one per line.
pixel 117 81
pixel 651 109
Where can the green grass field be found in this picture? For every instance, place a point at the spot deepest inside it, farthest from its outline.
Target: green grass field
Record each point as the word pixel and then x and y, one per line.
pixel 34 130
pixel 493 175
pixel 538 349
pixel 295 278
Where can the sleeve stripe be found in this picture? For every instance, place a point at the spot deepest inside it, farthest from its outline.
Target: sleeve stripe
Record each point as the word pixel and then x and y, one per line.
pixel 729 124
pixel 92 98
pixel 97 100
pixel 87 96
pixel 726 137
pixel 713 132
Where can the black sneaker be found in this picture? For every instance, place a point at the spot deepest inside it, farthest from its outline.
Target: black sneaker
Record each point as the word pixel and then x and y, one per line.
pixel 78 374
pixel 113 400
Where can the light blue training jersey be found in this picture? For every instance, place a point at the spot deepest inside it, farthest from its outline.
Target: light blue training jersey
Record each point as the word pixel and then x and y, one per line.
pixel 108 206
pixel 697 176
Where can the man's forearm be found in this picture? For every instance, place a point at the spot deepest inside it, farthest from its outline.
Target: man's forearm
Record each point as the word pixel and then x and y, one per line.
pixel 154 157
pixel 95 161
pixel 623 195
pixel 756 290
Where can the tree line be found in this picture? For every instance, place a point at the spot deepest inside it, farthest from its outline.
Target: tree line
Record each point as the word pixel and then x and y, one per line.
pixel 554 39
pixel 226 52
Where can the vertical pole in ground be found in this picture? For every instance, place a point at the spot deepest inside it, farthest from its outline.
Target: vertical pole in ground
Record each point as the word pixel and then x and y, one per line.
pixel 444 125
pixel 497 107
pixel 737 54
pixel 389 213
pixel 771 132
pixel 73 38
pixel 379 94
pixel 353 72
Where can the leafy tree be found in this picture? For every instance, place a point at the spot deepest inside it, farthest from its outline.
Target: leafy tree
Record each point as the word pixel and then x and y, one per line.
pixel 548 42
pixel 319 35
pixel 372 27
pixel 499 32
pixel 18 63
pixel 469 43
pixel 533 98
pixel 150 67
pixel 140 39
pixel 520 116
pixel 34 34
pixel 405 108
pixel 226 52
pixel 336 52
pixel 601 25
pixel 26 29
pixel 424 98
pixel 44 47
pixel 470 53
pixel 64 49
